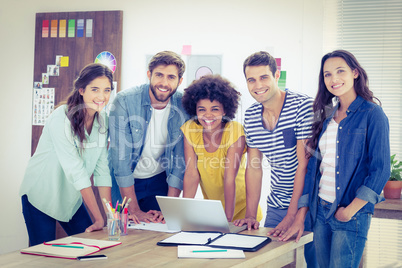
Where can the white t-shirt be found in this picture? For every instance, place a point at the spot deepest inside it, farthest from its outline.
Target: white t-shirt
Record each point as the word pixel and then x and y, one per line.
pixel 154 146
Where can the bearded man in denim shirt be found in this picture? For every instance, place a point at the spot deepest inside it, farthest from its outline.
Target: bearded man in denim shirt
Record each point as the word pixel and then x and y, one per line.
pixel 146 145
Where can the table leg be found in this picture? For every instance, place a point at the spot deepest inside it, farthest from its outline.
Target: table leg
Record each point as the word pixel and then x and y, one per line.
pixel 300 261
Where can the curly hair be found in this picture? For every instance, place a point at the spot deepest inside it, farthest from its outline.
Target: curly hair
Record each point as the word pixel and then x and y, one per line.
pixel 212 87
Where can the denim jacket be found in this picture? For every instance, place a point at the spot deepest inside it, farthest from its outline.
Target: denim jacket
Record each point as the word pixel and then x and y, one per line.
pixel 362 164
pixel 128 122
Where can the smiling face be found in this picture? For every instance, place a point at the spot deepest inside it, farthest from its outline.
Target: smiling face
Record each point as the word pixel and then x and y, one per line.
pixel 262 83
pixel 164 81
pixel 96 94
pixel 210 114
pixel 339 78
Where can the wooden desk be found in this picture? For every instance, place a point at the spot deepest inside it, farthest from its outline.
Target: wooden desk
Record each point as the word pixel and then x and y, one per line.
pixel 139 249
pixel 389 209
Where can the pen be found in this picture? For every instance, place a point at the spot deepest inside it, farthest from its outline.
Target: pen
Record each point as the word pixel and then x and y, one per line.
pixel 124 201
pixel 217 250
pixel 66 246
pixel 109 208
pixel 128 202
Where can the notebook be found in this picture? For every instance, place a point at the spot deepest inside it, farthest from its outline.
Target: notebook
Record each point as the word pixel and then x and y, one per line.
pixel 188 214
pixel 69 247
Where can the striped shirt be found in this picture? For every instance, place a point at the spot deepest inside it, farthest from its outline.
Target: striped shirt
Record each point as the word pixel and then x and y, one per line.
pixel 279 144
pixel 327 147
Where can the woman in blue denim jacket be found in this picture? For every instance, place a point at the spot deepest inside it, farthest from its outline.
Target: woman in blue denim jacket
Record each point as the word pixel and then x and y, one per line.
pixel 349 162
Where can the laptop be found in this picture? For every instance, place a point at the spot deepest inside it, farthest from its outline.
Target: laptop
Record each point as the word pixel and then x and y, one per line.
pixel 188 214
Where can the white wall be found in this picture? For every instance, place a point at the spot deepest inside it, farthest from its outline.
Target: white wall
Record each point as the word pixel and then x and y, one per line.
pixel 289 29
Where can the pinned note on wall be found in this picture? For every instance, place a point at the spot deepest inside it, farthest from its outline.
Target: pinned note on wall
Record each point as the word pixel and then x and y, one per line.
pixel 62 28
pixel 45 28
pixel 186 50
pixel 53 28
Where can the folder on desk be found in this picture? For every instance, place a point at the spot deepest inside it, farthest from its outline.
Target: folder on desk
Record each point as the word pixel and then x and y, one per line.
pixel 69 247
pixel 218 240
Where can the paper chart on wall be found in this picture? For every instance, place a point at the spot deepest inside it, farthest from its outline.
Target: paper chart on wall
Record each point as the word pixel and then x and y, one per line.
pixel 43 105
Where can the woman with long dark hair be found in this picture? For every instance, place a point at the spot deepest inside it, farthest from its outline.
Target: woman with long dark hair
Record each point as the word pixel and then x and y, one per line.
pixel 349 162
pixel 72 147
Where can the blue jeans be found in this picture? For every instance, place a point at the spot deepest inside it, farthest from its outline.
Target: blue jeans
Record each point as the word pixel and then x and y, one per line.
pixel 275 216
pixel 42 228
pixel 145 190
pixel 340 244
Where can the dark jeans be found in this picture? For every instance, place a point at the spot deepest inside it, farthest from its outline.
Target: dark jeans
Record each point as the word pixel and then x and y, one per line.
pixel 42 228
pixel 145 190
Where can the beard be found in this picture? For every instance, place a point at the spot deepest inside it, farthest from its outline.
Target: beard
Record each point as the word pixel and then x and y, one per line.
pixel 160 96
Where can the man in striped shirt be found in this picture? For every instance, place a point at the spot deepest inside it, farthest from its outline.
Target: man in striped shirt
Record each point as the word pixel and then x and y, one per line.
pixel 276 126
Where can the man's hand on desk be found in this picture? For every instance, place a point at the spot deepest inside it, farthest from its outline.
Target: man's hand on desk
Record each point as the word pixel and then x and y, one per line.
pixel 150 216
pixel 251 223
pixel 296 228
pixel 283 226
pixel 158 217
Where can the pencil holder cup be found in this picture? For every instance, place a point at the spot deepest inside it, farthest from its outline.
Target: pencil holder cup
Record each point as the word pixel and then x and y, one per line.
pixel 113 226
pixel 123 224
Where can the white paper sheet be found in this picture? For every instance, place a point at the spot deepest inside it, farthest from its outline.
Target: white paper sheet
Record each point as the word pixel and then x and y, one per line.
pixel 157 227
pixel 209 253
pixel 235 240
pixel 191 238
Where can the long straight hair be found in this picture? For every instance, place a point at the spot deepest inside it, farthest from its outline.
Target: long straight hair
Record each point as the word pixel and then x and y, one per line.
pixel 323 106
pixel 76 109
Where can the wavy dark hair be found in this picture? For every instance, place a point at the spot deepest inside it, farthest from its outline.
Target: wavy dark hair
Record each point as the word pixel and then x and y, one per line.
pixel 211 87
pixel 76 109
pixel 323 106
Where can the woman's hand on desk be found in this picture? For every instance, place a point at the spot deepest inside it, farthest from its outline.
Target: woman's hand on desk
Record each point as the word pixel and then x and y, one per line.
pixel 251 223
pixel 98 225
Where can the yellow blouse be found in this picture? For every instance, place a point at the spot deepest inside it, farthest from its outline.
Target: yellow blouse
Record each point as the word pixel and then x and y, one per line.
pixel 211 166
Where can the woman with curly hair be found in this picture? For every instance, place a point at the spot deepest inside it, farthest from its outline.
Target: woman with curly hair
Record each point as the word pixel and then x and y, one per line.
pixel 215 146
pixel 72 147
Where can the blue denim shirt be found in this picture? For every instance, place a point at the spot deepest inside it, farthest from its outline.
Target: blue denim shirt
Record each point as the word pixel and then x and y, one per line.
pixel 128 122
pixel 362 159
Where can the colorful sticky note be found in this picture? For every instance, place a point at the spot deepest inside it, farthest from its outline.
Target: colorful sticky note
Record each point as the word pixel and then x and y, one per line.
pixel 53 28
pixel 282 80
pixel 45 28
pixel 88 32
pixel 71 28
pixel 80 28
pixel 186 50
pixel 278 63
pixel 64 61
pixel 62 28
